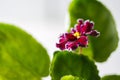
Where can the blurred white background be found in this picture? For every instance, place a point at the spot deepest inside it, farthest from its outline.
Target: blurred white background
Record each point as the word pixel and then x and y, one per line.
pixel 45 20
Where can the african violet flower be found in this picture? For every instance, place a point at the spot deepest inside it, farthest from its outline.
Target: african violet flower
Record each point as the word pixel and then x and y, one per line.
pixel 78 36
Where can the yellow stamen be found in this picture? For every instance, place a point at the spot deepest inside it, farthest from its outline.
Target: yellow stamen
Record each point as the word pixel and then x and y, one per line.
pixel 77 34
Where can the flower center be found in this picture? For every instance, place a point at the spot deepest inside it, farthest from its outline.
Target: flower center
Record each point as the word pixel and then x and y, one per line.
pixel 77 34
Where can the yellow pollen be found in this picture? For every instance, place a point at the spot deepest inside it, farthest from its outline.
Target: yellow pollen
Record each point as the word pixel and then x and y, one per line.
pixel 77 34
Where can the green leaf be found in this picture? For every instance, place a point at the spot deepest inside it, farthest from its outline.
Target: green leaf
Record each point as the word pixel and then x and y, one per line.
pixel 69 77
pixel 99 48
pixel 21 56
pixel 68 63
pixel 111 77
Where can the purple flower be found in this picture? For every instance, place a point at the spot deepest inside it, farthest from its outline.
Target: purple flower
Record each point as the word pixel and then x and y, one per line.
pixel 77 37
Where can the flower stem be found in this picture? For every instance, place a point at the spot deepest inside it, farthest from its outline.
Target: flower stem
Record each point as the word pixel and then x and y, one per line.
pixel 80 51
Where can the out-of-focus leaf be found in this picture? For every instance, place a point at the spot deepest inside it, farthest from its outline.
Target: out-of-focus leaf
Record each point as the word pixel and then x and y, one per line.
pixel 99 48
pixel 69 77
pixel 21 56
pixel 68 63
pixel 111 77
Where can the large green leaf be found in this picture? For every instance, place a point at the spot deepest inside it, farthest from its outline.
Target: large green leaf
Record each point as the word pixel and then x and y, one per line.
pixel 69 77
pixel 68 63
pixel 21 56
pixel 111 77
pixel 99 48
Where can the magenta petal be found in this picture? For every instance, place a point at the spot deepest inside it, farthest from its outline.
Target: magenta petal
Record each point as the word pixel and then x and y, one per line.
pixel 91 24
pixel 62 42
pixel 88 26
pixel 94 33
pixel 80 21
pixel 70 37
pixel 61 45
pixel 71 45
pixel 78 28
pixel 62 38
pixel 83 41
pixel 73 30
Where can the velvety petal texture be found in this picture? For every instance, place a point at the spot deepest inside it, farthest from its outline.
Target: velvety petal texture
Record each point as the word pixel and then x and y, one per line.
pixel 77 37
